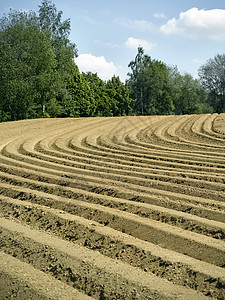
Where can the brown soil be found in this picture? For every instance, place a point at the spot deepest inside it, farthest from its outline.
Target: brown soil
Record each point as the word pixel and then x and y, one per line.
pixel 113 208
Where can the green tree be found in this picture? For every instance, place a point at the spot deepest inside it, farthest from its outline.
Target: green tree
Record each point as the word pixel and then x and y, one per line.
pixel 58 30
pixel 37 62
pixel 118 93
pixel 136 81
pixel 149 85
pixel 103 106
pixel 212 77
pixel 81 102
pixel 28 75
pixel 188 94
pixel 157 89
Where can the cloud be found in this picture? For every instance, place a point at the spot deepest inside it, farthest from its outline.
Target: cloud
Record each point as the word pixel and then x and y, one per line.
pixel 159 16
pixel 141 25
pixel 135 43
pixel 96 64
pixel 195 24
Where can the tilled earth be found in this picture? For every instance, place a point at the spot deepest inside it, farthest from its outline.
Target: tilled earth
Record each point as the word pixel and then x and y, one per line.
pixel 113 208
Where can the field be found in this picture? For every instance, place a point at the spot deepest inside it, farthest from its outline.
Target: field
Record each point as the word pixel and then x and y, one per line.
pixel 113 208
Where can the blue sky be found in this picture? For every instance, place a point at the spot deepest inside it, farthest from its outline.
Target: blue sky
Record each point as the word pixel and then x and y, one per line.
pixel 182 33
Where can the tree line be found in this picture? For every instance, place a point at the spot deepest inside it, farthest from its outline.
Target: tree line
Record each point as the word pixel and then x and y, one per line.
pixel 39 78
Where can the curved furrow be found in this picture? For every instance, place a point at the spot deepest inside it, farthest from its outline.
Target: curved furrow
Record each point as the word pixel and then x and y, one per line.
pixel 208 127
pixel 129 191
pixel 168 160
pixel 206 130
pixel 175 141
pixel 195 132
pixel 111 187
pixel 106 145
pixel 98 160
pixel 149 166
pixel 141 183
pixel 114 208
pixel 107 195
pixel 190 132
pixel 186 140
pixel 161 178
pixel 218 125
pixel 161 182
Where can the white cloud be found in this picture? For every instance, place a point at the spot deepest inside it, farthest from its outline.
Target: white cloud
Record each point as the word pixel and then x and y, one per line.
pixel 96 64
pixel 135 43
pixel 159 16
pixel 141 25
pixel 195 24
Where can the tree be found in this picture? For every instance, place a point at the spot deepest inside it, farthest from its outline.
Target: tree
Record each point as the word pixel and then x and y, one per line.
pixel 50 20
pixel 103 107
pixel 136 82
pixel 28 75
pixel 81 102
pixel 149 85
pixel 157 89
pixel 119 97
pixel 188 94
pixel 37 62
pixel 212 77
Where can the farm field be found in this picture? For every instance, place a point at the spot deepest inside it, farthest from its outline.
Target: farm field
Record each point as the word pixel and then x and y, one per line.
pixel 113 208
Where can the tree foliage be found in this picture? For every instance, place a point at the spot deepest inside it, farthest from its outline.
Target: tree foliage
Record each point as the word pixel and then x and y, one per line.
pixel 149 85
pixel 158 89
pixel 118 94
pixel 212 77
pixel 102 102
pixel 50 21
pixel 82 102
pixel 28 74
pixel 39 78
pixel 111 98
pixel 38 75
pixel 36 63
pixel 189 96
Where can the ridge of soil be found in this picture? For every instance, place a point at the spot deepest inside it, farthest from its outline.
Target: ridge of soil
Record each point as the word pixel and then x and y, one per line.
pixel 113 208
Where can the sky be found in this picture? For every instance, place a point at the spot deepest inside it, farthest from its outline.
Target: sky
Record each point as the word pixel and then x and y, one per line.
pixel 182 33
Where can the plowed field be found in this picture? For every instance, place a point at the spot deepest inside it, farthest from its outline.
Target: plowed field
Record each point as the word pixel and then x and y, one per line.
pixel 113 208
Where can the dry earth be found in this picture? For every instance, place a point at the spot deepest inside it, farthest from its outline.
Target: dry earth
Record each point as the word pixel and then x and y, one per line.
pixel 113 208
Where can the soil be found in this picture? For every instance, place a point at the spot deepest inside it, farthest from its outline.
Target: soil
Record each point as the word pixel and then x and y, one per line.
pixel 113 208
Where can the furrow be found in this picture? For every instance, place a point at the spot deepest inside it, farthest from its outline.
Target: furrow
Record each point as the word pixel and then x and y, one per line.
pixel 170 216
pixel 170 237
pixel 24 281
pixel 101 186
pixel 161 182
pixel 94 273
pixel 113 208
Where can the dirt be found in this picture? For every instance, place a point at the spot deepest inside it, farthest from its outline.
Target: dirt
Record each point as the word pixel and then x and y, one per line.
pixel 113 208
